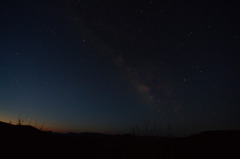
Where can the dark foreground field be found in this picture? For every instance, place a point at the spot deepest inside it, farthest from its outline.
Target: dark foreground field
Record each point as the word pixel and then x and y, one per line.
pixel 28 142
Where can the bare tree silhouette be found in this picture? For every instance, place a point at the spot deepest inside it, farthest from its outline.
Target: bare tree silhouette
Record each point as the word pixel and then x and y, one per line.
pixel 20 120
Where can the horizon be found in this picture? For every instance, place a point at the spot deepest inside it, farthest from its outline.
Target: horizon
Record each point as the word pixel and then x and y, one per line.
pixel 142 134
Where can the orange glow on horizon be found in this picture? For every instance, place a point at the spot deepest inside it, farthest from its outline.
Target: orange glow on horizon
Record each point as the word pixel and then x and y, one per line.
pixel 43 127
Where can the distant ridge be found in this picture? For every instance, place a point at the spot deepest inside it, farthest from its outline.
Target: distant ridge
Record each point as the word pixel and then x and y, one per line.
pixel 24 141
pixel 7 127
pixel 217 134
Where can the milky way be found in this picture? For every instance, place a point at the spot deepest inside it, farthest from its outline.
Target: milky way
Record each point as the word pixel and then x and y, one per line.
pixel 106 66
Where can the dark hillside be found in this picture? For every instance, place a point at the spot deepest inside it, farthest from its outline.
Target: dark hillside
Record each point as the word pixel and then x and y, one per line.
pixel 29 142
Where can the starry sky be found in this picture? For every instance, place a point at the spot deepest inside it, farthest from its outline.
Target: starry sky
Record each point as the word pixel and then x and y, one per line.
pixel 109 66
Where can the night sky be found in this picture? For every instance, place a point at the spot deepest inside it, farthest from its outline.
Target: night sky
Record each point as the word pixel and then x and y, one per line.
pixel 107 66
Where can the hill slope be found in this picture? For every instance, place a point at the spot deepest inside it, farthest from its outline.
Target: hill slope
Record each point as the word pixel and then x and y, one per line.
pixel 29 142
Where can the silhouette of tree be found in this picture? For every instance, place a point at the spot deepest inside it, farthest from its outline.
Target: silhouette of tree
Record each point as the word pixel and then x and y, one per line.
pixel 20 121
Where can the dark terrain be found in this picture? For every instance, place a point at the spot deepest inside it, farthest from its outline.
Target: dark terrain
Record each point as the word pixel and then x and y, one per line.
pixel 20 141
